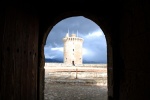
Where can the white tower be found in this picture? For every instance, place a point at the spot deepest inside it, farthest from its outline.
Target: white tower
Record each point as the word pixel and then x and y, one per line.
pixel 72 49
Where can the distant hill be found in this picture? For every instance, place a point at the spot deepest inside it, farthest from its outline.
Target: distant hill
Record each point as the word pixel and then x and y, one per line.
pixel 84 61
pixel 93 62
pixel 53 60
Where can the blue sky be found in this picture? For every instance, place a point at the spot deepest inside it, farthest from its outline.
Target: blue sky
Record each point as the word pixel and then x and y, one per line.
pixel 94 45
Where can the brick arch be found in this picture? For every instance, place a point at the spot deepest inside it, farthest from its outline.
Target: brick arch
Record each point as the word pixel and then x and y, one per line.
pixel 102 23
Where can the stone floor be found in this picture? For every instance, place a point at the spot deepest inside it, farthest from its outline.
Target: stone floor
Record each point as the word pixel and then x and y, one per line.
pixel 67 88
pixel 74 92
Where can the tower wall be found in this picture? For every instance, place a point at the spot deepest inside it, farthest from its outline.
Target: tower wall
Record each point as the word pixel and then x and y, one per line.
pixel 73 49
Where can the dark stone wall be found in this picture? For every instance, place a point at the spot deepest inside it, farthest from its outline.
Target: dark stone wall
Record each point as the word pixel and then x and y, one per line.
pixel 134 41
pixel 18 55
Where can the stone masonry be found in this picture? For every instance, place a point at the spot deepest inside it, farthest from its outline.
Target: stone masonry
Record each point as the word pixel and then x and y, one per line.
pixel 72 49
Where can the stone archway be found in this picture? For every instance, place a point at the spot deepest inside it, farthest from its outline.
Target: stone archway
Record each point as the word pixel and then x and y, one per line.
pixel 104 27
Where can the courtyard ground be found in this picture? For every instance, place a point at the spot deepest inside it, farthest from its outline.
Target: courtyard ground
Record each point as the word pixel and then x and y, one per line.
pixel 59 87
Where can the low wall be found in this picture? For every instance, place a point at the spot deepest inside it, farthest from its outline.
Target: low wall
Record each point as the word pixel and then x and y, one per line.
pixel 79 65
pixel 60 71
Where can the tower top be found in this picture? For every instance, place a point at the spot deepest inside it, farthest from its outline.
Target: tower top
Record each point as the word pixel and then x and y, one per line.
pixel 67 35
pixel 73 35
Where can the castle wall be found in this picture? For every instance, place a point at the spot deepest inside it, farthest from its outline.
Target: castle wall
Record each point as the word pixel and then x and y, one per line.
pixel 72 49
pixel 79 65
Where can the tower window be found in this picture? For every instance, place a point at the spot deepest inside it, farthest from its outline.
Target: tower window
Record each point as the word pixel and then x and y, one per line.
pixel 73 49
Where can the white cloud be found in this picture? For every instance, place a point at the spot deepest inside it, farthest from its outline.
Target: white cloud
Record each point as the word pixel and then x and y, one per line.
pixel 87 52
pixel 57 49
pixel 52 52
pixel 49 56
pixel 94 34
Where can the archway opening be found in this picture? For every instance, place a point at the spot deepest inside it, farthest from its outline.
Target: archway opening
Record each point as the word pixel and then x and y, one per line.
pixel 94 64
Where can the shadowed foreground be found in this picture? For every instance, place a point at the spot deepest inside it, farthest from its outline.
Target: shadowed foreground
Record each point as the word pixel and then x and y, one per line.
pixel 59 91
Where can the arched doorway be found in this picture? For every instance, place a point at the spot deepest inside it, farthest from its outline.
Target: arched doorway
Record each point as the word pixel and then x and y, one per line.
pixel 109 51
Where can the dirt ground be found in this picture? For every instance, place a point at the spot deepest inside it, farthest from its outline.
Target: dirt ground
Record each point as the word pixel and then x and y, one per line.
pixel 76 91
pixel 65 87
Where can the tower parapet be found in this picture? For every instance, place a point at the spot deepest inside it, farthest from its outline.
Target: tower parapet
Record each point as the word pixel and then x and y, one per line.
pixel 72 49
